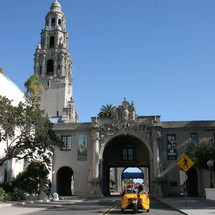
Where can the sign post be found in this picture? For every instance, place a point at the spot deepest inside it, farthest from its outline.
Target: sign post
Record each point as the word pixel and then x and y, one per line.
pixel 185 164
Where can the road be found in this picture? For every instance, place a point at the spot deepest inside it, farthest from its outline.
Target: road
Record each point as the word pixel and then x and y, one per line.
pixel 107 205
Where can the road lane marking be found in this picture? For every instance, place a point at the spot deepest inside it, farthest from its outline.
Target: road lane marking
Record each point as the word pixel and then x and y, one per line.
pixel 110 208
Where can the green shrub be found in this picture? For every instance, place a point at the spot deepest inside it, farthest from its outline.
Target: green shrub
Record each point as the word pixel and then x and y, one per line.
pixel 18 194
pixel 33 179
pixel 2 194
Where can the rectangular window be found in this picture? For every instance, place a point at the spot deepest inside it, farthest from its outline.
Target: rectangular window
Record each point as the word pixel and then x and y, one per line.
pixel 194 137
pixel 128 154
pixel 67 140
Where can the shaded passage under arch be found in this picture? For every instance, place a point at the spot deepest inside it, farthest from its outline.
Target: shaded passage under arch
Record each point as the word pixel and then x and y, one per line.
pixel 64 181
pixel 116 155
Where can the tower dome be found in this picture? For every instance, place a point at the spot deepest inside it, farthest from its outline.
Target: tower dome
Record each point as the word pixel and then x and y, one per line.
pixel 55 6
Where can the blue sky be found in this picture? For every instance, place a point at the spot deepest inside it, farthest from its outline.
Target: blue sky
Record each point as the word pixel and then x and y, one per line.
pixel 158 53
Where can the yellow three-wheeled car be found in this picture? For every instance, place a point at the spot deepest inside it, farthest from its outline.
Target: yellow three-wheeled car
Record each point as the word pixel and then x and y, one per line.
pixel 135 201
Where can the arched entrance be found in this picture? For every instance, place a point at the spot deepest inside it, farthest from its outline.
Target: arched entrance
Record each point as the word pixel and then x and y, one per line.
pixel 65 181
pixel 121 152
pixel 192 182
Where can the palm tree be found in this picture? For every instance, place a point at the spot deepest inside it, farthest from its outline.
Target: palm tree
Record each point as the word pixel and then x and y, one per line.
pixel 33 86
pixel 107 111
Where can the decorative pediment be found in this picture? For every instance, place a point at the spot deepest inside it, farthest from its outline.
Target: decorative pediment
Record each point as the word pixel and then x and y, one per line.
pixel 124 122
pixel 125 115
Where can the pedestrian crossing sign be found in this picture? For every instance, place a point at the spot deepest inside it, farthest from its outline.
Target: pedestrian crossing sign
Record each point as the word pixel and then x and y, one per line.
pixel 185 163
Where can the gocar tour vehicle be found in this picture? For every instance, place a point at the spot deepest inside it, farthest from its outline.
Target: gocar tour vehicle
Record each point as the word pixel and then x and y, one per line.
pixel 135 201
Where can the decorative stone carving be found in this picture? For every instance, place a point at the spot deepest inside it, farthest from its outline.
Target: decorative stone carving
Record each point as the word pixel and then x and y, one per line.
pixel 124 121
pixel 125 114
pixel 156 120
pixel 69 113
pixel 94 121
pixel 96 135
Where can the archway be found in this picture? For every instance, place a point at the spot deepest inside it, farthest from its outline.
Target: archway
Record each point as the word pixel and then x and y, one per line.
pixel 192 182
pixel 121 152
pixel 65 181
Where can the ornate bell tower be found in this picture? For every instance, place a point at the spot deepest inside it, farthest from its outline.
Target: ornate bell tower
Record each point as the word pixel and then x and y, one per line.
pixel 53 65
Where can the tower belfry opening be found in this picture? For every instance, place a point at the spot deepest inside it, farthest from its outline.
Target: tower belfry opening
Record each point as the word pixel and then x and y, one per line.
pixel 51 45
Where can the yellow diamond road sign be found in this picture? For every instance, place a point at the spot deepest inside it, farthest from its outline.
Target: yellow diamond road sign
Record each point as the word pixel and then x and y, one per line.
pixel 185 163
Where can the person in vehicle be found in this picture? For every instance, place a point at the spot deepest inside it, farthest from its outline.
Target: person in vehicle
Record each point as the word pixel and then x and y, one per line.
pixel 141 189
pixel 129 189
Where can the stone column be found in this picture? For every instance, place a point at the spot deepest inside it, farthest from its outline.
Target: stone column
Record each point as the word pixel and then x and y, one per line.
pixel 156 157
pixel 146 178
pixel 62 64
pixel 156 153
pixel 46 40
pixel 156 163
pixel 43 65
pixel 96 154
pixel 55 65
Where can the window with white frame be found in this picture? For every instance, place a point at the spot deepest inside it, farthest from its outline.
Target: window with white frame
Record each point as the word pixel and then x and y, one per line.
pixel 67 140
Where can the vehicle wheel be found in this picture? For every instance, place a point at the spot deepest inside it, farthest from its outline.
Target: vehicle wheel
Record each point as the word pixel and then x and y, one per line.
pixel 122 210
pixel 135 209
pixel 147 210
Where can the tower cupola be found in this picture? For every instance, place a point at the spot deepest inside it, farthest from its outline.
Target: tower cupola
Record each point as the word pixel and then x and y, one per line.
pixel 55 6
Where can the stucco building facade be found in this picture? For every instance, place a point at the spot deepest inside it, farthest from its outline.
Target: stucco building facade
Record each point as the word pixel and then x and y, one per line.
pixel 82 166
pixel 10 168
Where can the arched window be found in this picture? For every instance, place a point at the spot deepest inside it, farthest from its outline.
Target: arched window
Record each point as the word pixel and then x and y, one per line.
pixel 53 23
pixel 51 44
pixel 50 67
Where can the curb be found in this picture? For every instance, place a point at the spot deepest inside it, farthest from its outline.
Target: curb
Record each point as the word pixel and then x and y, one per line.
pixel 5 205
pixel 32 202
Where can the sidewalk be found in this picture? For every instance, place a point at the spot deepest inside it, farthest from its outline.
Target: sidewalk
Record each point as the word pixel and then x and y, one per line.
pixel 193 205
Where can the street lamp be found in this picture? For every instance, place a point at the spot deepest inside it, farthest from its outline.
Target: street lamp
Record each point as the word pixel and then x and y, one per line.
pixel 210 164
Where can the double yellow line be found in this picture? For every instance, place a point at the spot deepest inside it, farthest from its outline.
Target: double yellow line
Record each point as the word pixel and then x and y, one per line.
pixel 110 208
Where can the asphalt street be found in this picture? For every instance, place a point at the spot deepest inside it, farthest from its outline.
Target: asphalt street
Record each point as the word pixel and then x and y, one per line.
pixel 109 205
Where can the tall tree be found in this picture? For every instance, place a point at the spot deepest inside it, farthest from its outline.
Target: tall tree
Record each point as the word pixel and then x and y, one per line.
pixel 33 86
pixel 201 152
pixel 26 132
pixel 107 111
